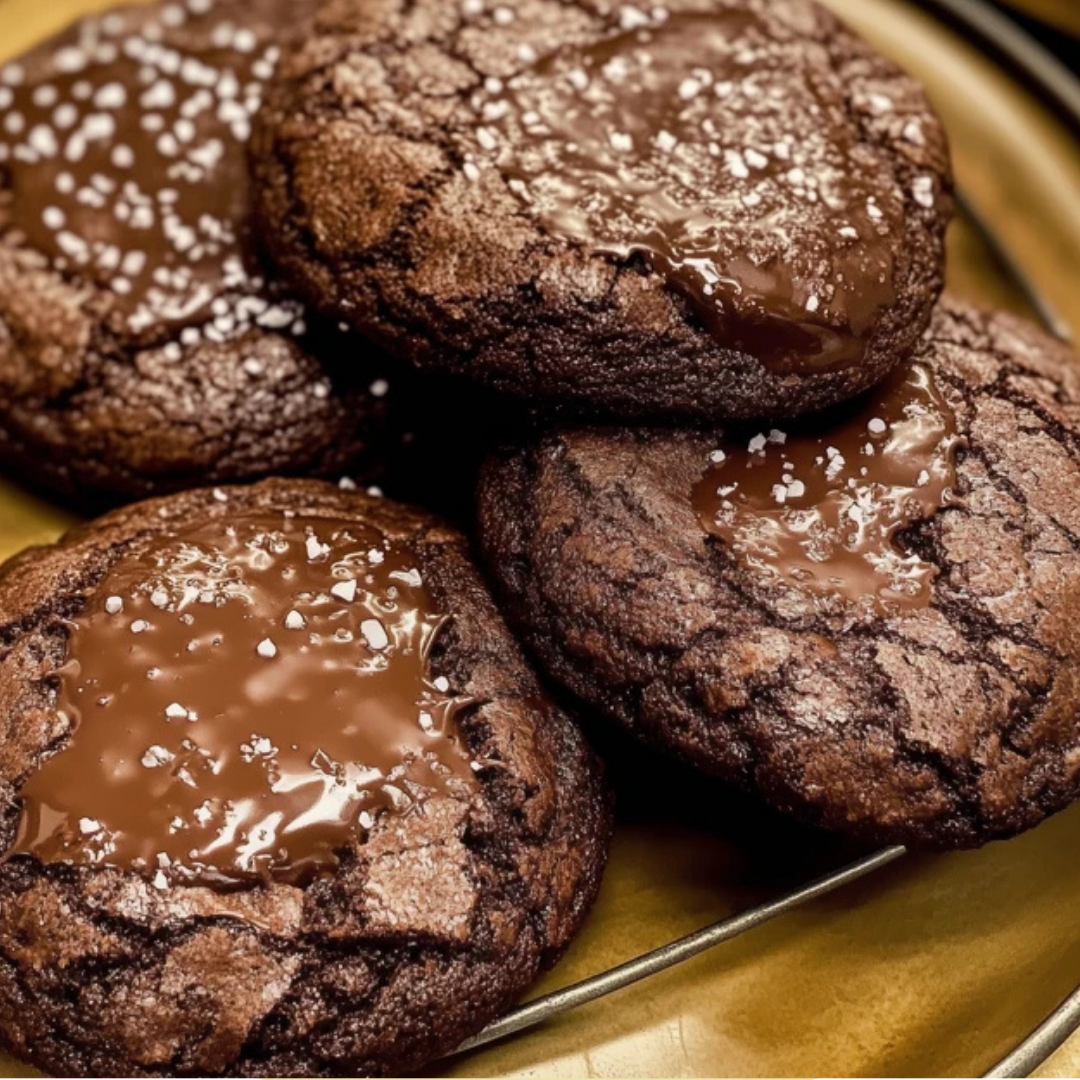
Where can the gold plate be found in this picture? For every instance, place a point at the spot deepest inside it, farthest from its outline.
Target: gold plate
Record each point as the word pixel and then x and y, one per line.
pixel 935 966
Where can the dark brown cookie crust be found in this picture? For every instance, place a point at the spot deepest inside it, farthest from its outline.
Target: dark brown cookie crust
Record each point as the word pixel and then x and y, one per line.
pixel 424 934
pixel 360 185
pixel 111 423
pixel 948 727
pixel 100 414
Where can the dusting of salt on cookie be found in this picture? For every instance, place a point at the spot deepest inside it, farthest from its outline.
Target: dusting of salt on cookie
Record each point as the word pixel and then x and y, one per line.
pixel 126 162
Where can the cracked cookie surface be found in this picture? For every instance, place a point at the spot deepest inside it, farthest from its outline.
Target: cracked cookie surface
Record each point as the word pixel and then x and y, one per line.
pixel 948 722
pixel 702 209
pixel 142 346
pixel 429 923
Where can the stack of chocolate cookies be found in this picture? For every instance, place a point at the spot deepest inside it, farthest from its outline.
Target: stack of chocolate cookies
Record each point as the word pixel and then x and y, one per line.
pixel 284 796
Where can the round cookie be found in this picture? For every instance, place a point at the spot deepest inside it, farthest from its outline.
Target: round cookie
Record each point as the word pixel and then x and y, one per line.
pixel 142 346
pixel 866 617
pixel 283 798
pixel 706 208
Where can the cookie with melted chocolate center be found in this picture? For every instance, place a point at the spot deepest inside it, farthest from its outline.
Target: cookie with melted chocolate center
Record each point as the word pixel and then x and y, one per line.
pixel 283 798
pixel 867 617
pixel 143 346
pixel 704 208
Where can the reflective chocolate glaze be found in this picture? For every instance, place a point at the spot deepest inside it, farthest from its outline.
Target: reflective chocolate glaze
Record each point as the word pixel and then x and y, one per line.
pixel 820 503
pixel 246 697
pixel 123 143
pixel 692 140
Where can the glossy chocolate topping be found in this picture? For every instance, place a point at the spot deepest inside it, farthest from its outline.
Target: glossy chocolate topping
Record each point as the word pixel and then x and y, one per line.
pixel 727 158
pixel 247 697
pixel 821 504
pixel 122 142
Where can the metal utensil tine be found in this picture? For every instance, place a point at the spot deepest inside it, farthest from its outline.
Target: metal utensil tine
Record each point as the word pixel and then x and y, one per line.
pixel 667 956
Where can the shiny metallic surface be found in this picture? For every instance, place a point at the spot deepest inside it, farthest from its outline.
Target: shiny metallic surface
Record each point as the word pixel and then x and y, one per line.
pixel 1043 1041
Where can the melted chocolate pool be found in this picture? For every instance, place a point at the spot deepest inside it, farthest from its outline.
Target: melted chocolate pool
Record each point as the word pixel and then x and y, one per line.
pixel 246 696
pixel 821 503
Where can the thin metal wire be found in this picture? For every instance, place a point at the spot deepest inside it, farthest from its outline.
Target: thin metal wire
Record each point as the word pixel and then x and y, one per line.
pixel 667 956
pixel 1043 1041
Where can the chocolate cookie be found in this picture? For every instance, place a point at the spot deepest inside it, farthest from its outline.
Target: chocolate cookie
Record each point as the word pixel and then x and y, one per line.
pixel 142 347
pixel 708 208
pixel 282 797
pixel 868 617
